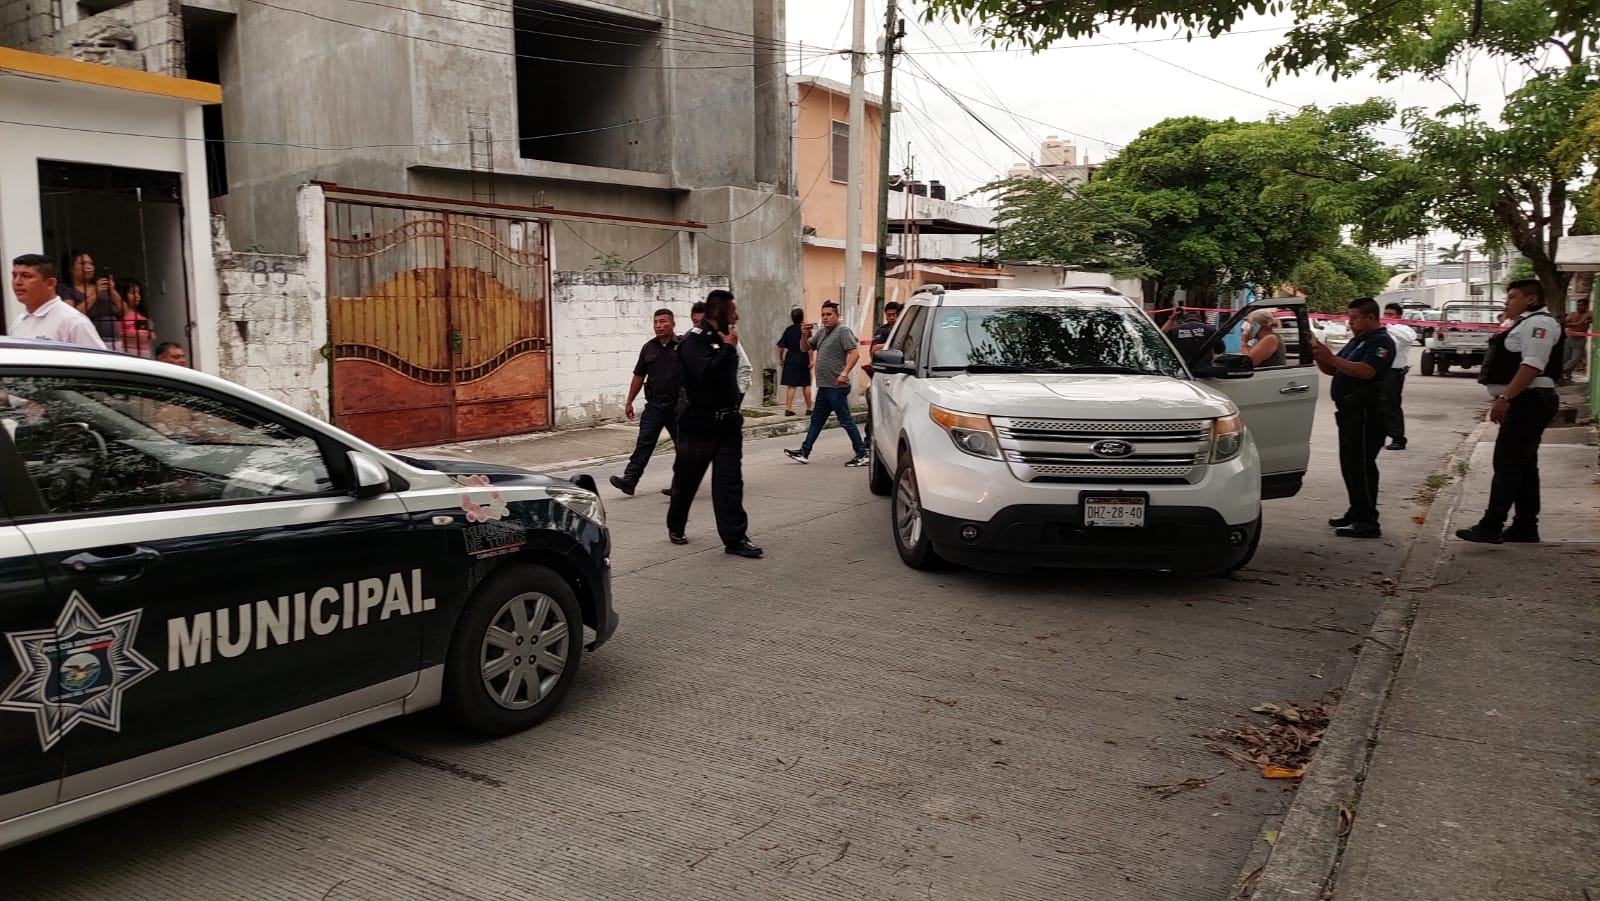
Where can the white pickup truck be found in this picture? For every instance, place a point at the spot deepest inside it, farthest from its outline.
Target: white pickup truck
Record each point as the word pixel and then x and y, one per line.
pixel 1460 347
pixel 1018 429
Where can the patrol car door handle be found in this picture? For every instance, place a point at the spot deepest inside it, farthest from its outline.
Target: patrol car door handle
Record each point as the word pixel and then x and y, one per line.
pixel 119 560
pixel 1292 388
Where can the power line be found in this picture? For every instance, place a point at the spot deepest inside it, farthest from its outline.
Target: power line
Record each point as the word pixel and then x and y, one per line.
pixel 482 49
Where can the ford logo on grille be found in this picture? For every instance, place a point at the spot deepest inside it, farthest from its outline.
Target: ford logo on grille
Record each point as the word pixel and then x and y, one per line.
pixel 1112 449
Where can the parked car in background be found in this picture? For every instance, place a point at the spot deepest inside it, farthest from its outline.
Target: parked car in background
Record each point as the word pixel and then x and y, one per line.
pixel 1459 347
pixel 1422 317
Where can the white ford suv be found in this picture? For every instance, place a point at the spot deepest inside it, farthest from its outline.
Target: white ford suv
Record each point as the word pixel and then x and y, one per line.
pixel 1021 428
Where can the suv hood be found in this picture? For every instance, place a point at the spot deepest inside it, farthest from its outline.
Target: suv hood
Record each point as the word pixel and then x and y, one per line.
pixel 1087 396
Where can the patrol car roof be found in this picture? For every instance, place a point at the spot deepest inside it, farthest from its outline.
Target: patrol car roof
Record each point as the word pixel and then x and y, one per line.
pixel 994 297
pixel 27 352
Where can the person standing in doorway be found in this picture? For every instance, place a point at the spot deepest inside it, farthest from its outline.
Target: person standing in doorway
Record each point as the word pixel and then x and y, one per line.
pixel 711 429
pixel 837 354
pixel 46 317
pixel 794 361
pixel 1579 322
pixel 659 375
pixel 136 332
pixel 1520 369
pixel 1394 384
pixel 95 295
pixel 1358 372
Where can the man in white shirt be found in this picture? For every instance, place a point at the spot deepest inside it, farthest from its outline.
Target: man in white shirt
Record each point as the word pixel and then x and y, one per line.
pixel 46 317
pixel 1394 385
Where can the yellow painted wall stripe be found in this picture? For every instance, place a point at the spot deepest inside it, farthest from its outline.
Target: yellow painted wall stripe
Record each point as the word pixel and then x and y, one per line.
pixel 44 66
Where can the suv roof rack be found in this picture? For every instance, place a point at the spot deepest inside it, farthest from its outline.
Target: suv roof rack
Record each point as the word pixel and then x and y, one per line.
pixel 929 289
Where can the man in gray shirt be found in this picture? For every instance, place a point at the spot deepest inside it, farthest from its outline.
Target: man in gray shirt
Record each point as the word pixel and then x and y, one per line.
pixel 837 353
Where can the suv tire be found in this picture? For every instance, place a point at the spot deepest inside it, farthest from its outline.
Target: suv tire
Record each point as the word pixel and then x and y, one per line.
pixel 905 514
pixel 1427 363
pixel 521 613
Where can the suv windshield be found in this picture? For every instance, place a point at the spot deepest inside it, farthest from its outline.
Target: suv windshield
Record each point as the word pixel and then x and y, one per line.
pixel 1048 339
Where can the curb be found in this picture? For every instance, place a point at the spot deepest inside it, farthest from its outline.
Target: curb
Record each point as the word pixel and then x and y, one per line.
pixel 1302 864
pixel 786 426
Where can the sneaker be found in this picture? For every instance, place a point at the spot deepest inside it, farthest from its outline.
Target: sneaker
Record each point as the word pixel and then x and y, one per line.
pixel 621 485
pixel 1481 535
pixel 860 459
pixel 797 456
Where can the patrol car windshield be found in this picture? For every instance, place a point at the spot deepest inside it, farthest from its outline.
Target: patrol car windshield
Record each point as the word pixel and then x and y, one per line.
pixel 1071 339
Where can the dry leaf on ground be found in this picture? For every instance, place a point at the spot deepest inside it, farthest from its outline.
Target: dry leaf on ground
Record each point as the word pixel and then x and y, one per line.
pixel 1282 748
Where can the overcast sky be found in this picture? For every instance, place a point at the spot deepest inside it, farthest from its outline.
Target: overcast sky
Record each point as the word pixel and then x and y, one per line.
pixel 1094 92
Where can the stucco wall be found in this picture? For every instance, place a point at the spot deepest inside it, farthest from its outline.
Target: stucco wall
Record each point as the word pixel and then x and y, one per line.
pixel 599 320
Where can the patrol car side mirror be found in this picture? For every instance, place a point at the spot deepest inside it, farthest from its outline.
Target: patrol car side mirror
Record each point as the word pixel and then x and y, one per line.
pixel 890 361
pixel 369 476
pixel 1227 366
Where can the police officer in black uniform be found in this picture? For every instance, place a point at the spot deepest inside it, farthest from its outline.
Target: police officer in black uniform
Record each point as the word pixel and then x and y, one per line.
pixel 1190 333
pixel 711 429
pixel 1358 372
pixel 660 375
pixel 1520 369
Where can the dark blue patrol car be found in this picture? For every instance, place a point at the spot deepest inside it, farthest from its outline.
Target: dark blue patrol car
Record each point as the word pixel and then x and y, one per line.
pixel 194 577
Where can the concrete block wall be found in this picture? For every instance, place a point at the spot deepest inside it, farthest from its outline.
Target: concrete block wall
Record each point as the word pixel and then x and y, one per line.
pixel 25 23
pixel 272 328
pixel 599 320
pixel 143 34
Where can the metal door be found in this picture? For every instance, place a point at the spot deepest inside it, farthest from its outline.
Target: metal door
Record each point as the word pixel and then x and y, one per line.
pixel 439 322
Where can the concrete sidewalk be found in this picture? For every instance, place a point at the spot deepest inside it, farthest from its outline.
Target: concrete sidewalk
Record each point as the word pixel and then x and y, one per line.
pixel 1481 774
pixel 596 445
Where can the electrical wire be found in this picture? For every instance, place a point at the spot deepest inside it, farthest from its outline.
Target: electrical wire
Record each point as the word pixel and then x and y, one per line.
pixel 490 50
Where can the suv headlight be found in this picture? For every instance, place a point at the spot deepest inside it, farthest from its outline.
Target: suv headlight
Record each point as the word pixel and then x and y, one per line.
pixel 973 435
pixel 1227 438
pixel 583 503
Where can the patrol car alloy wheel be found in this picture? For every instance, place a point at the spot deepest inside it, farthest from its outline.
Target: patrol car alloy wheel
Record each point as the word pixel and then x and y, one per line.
pixel 515 650
pixel 905 511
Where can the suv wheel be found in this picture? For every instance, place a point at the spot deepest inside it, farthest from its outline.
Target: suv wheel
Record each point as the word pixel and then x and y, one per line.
pixel 515 651
pixel 1427 363
pixel 905 513
pixel 878 480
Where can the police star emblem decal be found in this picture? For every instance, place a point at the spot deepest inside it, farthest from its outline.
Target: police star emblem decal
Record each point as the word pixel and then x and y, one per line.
pixel 77 671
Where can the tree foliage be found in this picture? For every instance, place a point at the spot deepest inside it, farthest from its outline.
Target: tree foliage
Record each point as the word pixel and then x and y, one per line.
pixel 1513 180
pixel 1042 219
pixel 1338 275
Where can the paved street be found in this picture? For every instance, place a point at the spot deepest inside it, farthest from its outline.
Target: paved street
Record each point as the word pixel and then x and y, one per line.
pixel 824 723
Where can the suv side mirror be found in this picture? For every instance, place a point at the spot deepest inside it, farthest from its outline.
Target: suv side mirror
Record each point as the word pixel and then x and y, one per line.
pixel 890 361
pixel 369 477
pixel 1227 366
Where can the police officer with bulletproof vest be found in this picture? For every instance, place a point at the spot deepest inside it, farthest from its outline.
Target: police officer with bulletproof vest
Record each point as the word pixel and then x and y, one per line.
pixel 1190 333
pixel 1520 368
pixel 711 429
pixel 1359 370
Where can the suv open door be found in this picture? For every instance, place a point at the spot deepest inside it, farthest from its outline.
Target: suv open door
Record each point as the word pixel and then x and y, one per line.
pixel 1277 400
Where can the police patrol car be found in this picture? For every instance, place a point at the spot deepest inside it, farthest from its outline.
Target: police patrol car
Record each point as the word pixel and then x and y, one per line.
pixel 194 577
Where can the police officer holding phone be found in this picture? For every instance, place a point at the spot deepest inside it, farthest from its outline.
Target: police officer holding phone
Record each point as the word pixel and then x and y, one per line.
pixel 1520 369
pixel 1359 370
pixel 711 428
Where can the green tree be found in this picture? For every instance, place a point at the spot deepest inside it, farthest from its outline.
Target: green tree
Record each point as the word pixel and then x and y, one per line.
pixel 1509 180
pixel 1042 219
pixel 1217 219
pixel 1338 275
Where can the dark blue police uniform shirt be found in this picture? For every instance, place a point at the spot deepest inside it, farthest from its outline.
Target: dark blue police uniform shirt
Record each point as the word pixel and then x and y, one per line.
pixel 1376 349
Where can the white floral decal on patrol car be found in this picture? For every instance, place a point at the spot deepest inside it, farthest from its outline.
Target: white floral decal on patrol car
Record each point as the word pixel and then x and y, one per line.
pixel 77 671
pixel 481 509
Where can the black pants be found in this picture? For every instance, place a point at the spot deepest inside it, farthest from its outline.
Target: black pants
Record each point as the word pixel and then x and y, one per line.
pixel 717 444
pixel 1516 459
pixel 1394 412
pixel 657 415
pixel 1360 439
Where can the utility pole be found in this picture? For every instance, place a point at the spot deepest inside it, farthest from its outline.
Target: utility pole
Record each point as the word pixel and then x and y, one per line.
pixel 850 303
pixel 893 30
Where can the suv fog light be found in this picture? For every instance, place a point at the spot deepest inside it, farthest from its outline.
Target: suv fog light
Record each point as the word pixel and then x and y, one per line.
pixel 969 532
pixel 1236 537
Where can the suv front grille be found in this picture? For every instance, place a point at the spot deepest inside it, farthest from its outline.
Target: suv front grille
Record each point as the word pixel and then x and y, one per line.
pixel 1063 450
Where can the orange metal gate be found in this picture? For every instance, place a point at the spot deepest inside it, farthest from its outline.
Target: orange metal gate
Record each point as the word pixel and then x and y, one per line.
pixel 439 320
